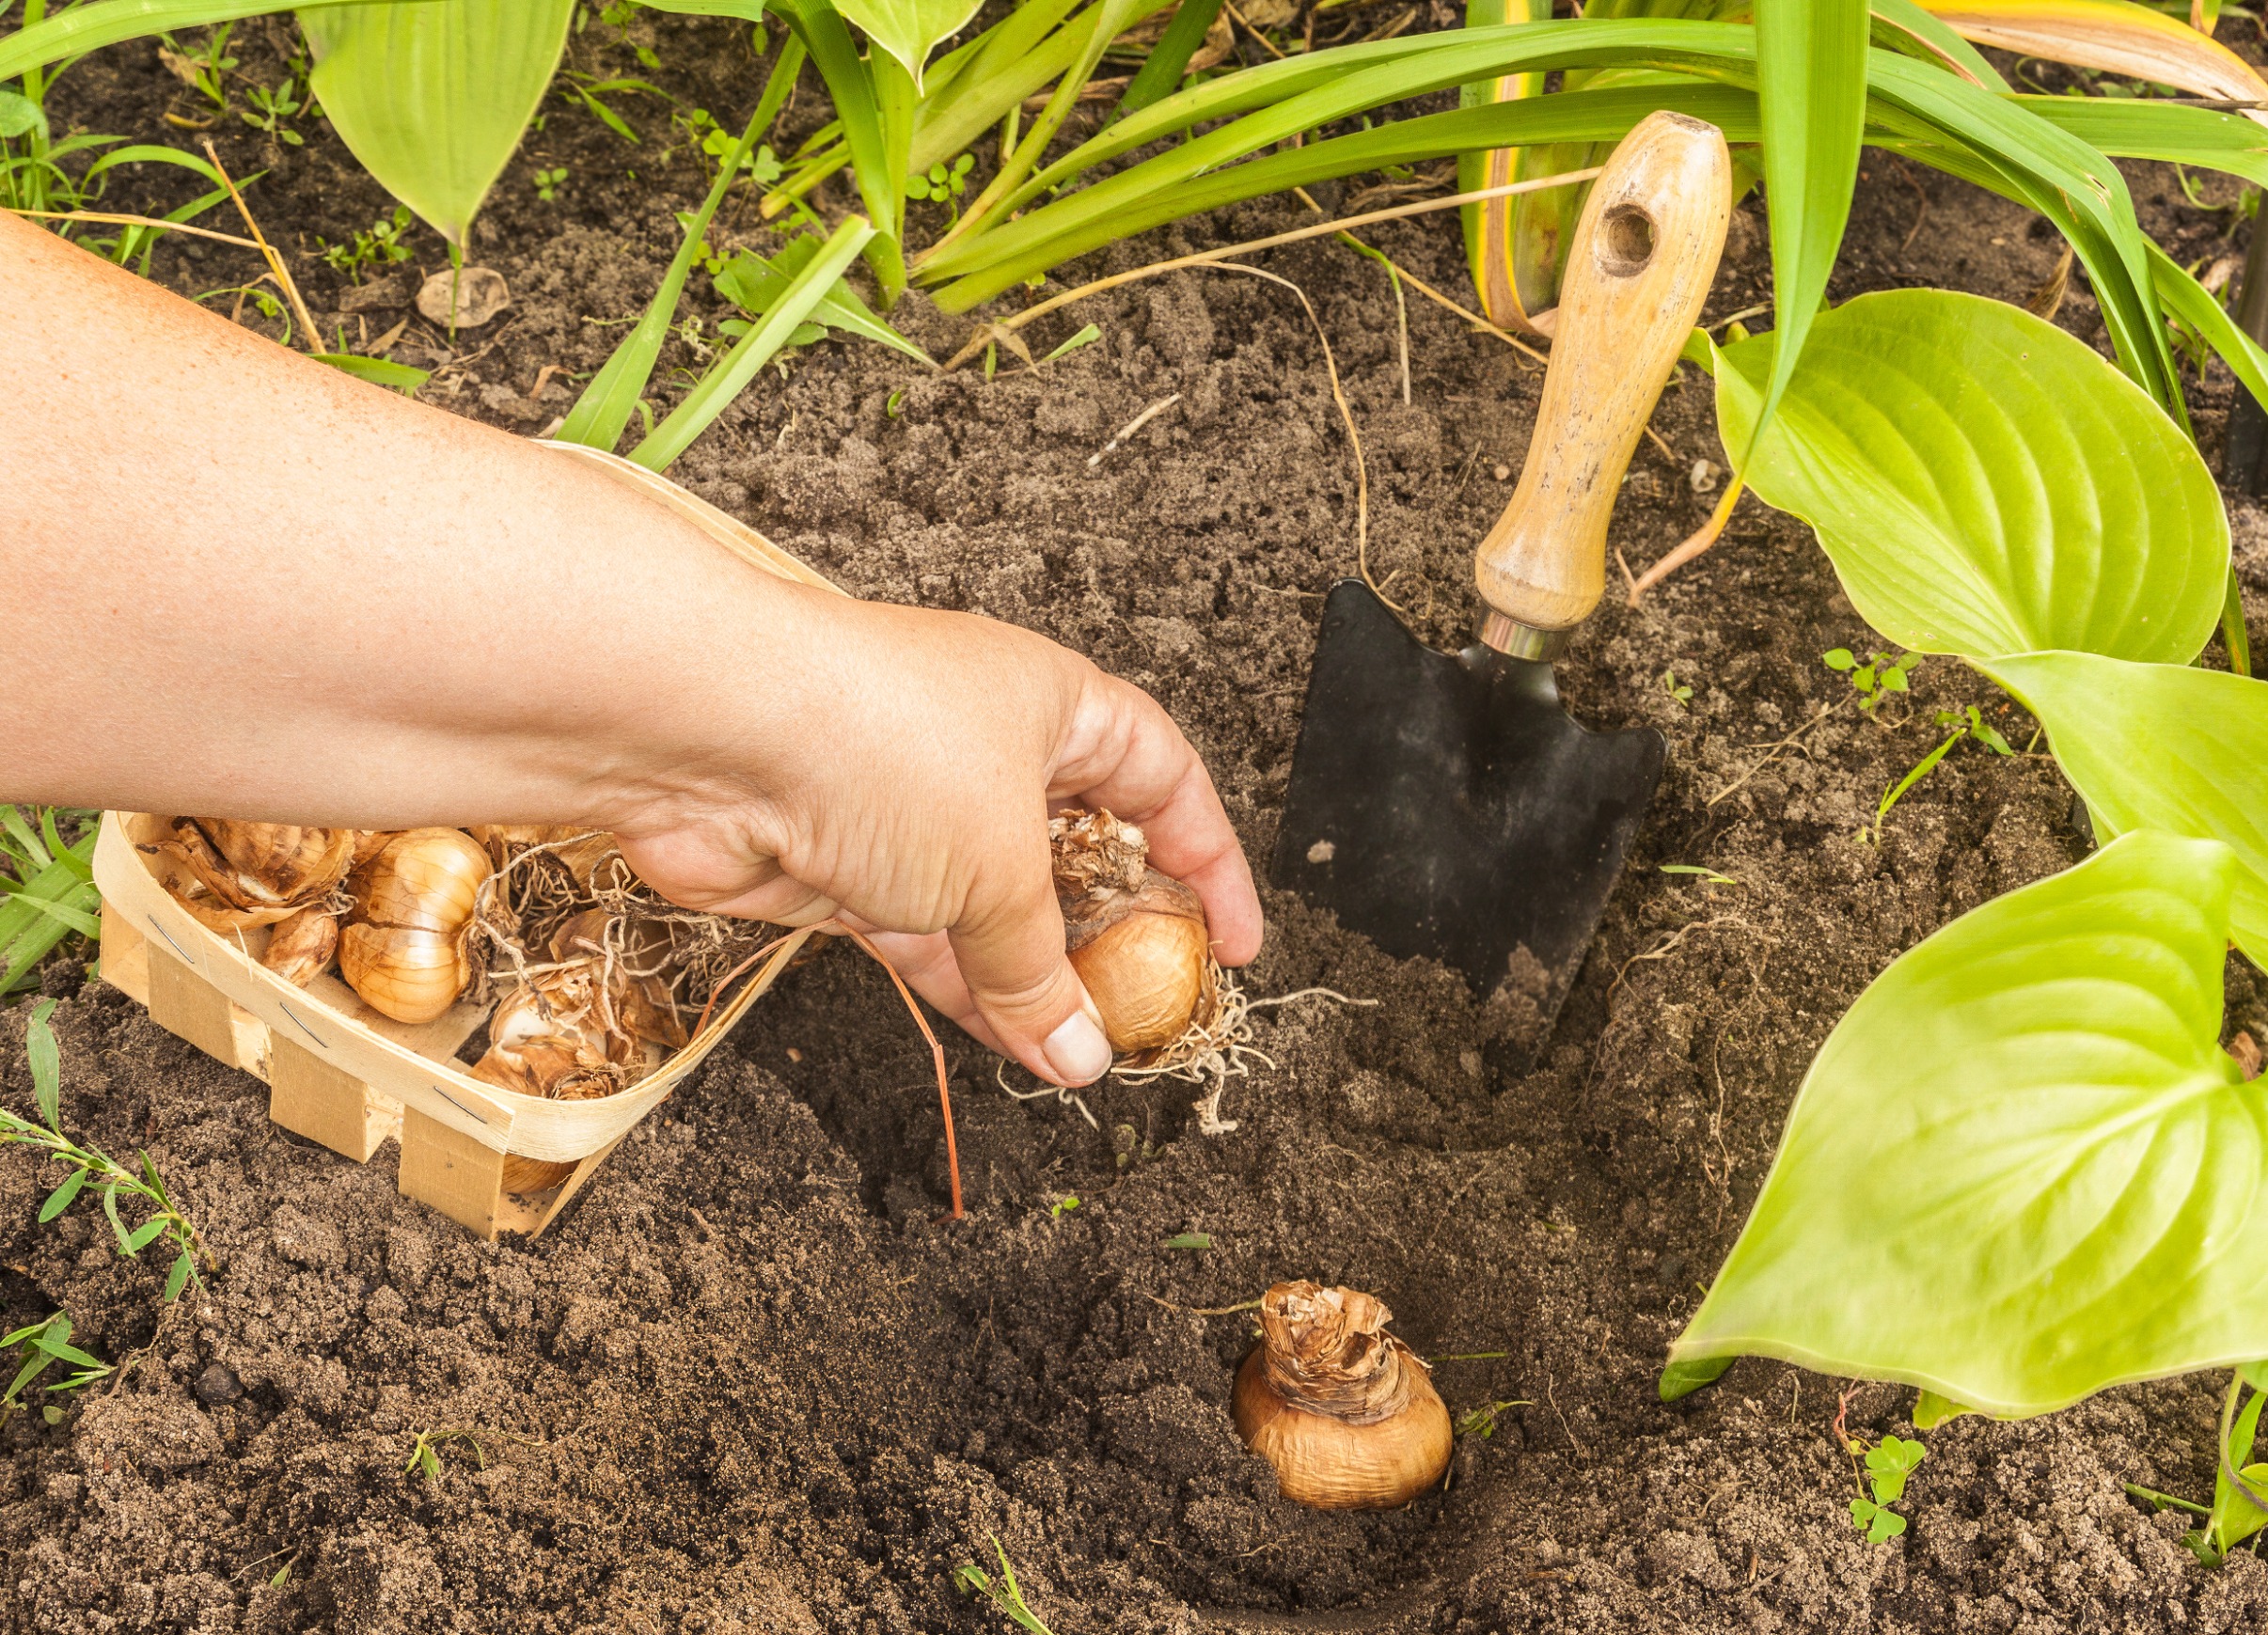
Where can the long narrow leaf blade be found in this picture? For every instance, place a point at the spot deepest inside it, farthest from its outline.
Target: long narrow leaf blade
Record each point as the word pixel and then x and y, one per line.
pixel 731 375
pixel 2115 36
pixel 89 27
pixel 1811 93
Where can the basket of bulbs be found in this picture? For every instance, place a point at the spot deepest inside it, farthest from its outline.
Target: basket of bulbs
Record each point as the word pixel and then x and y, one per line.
pixel 507 1002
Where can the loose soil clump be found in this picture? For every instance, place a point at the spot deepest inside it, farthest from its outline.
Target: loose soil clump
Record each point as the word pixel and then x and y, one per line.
pixel 751 1383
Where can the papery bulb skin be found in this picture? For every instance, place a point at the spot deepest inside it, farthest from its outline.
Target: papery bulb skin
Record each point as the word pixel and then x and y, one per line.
pixel 232 876
pixel 1137 938
pixel 301 949
pixel 1344 1410
pixel 424 880
pixel 404 951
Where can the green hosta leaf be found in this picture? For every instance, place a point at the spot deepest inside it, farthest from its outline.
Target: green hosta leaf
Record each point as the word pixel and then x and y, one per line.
pixel 2022 1169
pixel 909 30
pixel 1931 1410
pixel 432 96
pixel 1986 484
pixel 2161 747
pixel 1811 94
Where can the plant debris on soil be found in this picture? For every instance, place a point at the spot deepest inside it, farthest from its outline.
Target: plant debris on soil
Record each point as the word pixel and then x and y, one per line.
pixel 751 1383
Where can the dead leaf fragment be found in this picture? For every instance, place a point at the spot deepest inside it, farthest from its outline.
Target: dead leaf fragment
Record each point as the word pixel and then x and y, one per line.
pixel 481 294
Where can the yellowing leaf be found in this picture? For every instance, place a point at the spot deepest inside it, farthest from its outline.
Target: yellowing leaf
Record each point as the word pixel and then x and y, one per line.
pixel 2115 36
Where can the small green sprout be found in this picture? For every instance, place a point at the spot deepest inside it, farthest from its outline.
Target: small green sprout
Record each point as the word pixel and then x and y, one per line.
pixel 1481 1421
pixel 940 183
pixel 1189 1240
pixel 92 1165
pixel 548 183
pixel 1677 690
pixel 271 108
pixel 896 405
pixel 1707 876
pixel 1965 724
pixel 974 1580
pixel 1092 332
pixel 2238 1513
pixel 1063 1205
pixel 38 1348
pixel 381 246
pixel 1877 678
pixel 1889 1462
pixel 205 69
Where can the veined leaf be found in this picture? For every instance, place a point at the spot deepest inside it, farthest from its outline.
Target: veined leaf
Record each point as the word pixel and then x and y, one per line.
pixel 432 97
pixel 2116 36
pixel 2022 1169
pixel 1907 21
pixel 100 23
pixel 756 284
pixel 1986 484
pixel 1811 94
pixel 2160 747
pixel 909 30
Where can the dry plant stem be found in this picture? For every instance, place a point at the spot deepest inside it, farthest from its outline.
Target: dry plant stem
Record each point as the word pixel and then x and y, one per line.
pixel 110 218
pixel 936 1052
pixel 275 264
pixel 1772 751
pixel 1695 543
pixel 1206 258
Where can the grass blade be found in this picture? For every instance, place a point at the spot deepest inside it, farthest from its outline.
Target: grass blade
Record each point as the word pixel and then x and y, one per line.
pixel 89 27
pixel 603 411
pixel 1161 73
pixel 731 375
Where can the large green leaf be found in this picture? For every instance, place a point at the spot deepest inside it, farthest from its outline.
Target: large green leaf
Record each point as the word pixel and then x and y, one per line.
pixel 1811 93
pixel 101 23
pixel 1984 482
pixel 2161 747
pixel 432 97
pixel 2022 1169
pixel 909 30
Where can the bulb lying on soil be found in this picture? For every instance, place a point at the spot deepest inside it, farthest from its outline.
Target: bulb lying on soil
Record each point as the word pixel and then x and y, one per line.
pixel 1137 938
pixel 1343 1409
pixel 403 948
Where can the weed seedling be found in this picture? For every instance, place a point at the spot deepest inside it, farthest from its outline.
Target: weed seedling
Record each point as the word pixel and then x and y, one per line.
pixel 380 247
pixel 1092 332
pixel 37 1350
pixel 271 108
pixel 1063 1205
pixel 425 1452
pixel 47 890
pixel 1481 1421
pixel 548 183
pixel 2238 1513
pixel 1189 1240
pixel 1706 876
pixel 974 1580
pixel 1889 1462
pixel 203 69
pixel 942 184
pixel 1965 724
pixel 1875 680
pixel 1680 691
pixel 93 1166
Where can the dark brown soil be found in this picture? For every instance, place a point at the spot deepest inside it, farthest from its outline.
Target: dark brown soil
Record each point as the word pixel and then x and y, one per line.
pixel 750 1384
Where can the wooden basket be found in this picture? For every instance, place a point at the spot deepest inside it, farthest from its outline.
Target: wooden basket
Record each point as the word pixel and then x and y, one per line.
pixel 340 1073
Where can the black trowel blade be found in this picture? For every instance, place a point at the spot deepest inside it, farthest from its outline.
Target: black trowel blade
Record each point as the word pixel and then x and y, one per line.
pixel 1445 805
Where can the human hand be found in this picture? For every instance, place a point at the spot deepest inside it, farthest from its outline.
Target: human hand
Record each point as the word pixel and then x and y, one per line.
pixel 915 806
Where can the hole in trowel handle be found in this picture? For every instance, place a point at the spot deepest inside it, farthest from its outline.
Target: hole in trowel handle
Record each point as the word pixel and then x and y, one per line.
pixel 1627 237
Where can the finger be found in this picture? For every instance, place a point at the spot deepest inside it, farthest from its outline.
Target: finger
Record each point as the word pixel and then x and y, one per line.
pixel 1010 949
pixel 1126 754
pixel 926 963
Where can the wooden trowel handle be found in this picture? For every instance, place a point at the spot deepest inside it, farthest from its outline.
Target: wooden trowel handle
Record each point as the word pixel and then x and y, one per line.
pixel 1643 257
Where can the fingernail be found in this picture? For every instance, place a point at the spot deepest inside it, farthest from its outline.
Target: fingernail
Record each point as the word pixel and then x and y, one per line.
pixel 1078 1051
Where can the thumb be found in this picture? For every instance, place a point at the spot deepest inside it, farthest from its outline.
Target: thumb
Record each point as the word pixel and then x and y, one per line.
pixel 1011 954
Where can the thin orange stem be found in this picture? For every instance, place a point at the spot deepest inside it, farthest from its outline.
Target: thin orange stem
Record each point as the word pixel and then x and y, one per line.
pixel 1693 544
pixel 936 1054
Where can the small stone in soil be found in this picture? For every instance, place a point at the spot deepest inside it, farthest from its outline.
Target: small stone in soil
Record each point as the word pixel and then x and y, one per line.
pixel 218 1385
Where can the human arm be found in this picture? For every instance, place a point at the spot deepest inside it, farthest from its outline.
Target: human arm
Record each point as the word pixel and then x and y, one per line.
pixel 244 584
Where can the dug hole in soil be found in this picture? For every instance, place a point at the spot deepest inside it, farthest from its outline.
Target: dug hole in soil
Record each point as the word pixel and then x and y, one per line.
pixel 750 1384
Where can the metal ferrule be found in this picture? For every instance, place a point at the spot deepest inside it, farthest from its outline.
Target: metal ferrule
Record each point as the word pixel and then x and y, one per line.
pixel 1512 638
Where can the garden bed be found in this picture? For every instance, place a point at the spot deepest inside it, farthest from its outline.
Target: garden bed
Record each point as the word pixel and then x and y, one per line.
pixel 749 1382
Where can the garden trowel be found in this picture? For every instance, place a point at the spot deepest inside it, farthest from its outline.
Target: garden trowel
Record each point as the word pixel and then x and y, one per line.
pixel 1444 803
